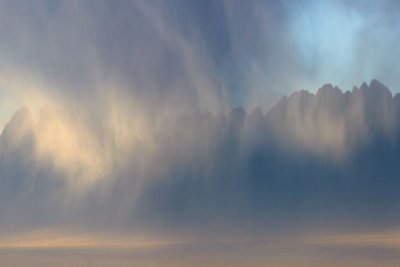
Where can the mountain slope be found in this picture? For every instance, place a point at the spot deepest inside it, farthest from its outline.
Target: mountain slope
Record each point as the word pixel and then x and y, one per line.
pixel 334 123
pixel 312 157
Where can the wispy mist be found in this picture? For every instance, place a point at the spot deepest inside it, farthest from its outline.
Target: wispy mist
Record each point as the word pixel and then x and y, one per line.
pixel 176 122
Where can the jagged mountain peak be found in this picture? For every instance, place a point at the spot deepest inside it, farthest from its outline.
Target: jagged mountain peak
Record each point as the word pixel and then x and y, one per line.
pixel 23 113
pixel 375 89
pixel 377 84
pixel 21 121
pixel 333 121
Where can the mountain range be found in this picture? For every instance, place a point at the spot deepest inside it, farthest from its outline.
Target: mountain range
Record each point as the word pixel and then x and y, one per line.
pixel 333 155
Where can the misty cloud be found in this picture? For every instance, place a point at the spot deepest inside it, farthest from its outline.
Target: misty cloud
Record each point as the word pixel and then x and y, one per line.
pixel 180 118
pixel 198 168
pixel 208 56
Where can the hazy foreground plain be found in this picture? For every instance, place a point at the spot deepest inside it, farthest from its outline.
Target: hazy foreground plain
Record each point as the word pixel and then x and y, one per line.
pixel 360 249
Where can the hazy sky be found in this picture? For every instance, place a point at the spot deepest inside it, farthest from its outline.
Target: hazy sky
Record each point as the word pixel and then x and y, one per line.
pixel 130 140
pixel 208 55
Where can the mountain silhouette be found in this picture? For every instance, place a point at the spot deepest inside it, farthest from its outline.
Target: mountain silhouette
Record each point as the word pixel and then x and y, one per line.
pixel 327 156
pixel 335 122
